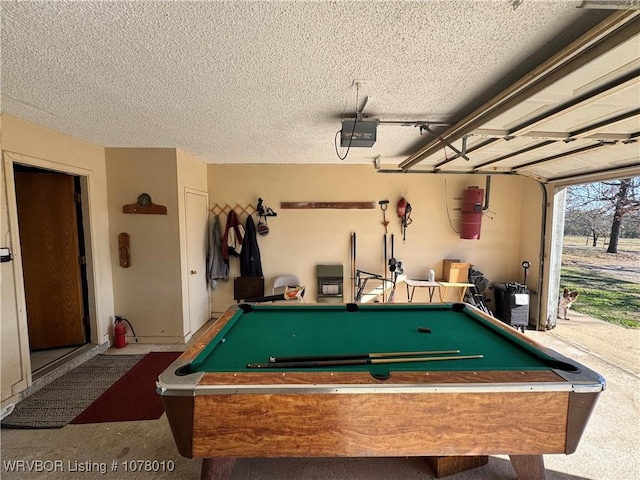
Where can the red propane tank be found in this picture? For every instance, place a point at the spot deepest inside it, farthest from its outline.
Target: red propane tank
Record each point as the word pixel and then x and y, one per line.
pixel 120 333
pixel 471 218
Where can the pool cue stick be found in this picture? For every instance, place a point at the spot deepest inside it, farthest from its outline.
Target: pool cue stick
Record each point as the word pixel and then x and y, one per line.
pixel 351 272
pixel 355 267
pixel 384 261
pixel 308 358
pixel 392 245
pixel 391 297
pixel 358 361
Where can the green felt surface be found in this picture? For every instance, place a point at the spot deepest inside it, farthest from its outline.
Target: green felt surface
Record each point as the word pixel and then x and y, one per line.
pixel 332 330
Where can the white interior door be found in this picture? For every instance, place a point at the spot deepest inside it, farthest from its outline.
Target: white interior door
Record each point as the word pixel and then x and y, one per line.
pixel 197 215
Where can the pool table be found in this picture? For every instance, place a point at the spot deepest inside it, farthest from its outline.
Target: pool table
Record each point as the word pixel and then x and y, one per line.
pixel 505 395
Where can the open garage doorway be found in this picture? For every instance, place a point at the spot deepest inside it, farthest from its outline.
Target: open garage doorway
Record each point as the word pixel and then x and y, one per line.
pixel 597 247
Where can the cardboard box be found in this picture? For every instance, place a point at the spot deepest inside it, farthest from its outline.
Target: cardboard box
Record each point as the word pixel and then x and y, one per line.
pixel 446 268
pixel 455 271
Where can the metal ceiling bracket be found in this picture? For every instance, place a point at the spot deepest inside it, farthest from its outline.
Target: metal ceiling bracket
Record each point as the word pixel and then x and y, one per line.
pixel 458 152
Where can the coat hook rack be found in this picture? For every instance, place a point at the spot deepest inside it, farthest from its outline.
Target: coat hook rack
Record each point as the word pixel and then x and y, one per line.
pixel 220 208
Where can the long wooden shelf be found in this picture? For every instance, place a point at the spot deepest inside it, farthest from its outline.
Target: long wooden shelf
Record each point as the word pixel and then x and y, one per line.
pixel 328 205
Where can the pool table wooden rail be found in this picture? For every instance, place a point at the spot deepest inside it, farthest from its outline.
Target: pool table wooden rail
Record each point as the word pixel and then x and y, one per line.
pixel 264 381
pixel 419 379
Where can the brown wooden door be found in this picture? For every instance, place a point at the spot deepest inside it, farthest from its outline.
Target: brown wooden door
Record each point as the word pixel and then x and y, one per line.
pixel 50 259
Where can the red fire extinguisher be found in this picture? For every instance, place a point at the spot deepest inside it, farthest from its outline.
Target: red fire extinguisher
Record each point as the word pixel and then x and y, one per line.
pixel 120 332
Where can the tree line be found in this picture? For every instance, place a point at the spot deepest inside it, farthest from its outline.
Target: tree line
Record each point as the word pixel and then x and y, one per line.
pixel 604 210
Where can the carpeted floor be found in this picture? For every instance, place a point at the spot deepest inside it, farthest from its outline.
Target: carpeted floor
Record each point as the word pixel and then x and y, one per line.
pixel 57 404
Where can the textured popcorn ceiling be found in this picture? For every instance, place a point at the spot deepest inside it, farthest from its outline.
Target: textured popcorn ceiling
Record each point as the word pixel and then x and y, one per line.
pixel 269 81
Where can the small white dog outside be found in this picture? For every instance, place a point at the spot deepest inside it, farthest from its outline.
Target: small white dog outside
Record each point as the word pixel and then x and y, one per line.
pixel 567 298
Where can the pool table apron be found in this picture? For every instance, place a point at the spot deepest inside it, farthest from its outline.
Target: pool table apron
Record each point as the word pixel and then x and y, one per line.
pixel 304 414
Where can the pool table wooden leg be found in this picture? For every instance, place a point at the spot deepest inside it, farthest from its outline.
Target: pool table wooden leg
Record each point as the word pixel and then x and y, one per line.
pixel 528 467
pixel 216 468
pixel 445 466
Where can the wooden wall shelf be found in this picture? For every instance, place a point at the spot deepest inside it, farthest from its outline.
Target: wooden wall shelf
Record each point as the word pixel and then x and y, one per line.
pixel 148 209
pixel 144 205
pixel 328 205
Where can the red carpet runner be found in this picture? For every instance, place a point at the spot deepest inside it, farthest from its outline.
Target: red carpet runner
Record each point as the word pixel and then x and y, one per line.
pixel 134 396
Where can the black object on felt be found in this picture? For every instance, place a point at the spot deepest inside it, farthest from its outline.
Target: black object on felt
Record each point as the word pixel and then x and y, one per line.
pixel 247 287
pixel 458 307
pixel 352 307
pixel 268 298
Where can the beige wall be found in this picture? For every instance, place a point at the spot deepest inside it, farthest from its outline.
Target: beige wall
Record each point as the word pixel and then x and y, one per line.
pixel 192 173
pixel 301 239
pixel 149 292
pixel 30 144
pixel 153 292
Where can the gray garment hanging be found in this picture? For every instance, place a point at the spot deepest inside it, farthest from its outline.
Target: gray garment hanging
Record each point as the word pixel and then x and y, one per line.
pixel 216 267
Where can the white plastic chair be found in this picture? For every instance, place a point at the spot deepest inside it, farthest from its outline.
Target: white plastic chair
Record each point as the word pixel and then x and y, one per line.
pixel 283 281
pixel 287 280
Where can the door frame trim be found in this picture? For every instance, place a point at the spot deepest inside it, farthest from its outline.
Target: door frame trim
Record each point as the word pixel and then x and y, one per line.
pixel 9 159
pixel 186 323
